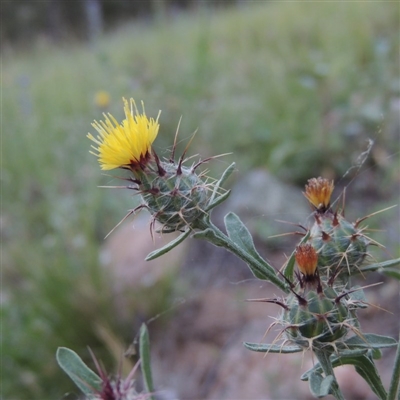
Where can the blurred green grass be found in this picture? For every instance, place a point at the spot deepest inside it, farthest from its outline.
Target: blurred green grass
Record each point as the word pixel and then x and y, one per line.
pixel 293 87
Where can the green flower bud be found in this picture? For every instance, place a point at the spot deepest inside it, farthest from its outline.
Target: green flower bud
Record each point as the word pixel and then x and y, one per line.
pixel 318 316
pixel 340 246
pixel 176 197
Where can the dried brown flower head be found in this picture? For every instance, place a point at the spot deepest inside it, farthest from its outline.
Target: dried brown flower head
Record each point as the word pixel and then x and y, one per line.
pixel 318 193
pixel 307 259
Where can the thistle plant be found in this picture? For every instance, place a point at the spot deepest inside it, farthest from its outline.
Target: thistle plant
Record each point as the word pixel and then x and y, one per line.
pixel 319 304
pixel 341 245
pixel 320 311
pixel 174 194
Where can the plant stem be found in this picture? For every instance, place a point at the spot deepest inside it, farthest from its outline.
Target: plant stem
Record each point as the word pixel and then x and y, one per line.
pixel 224 241
pixel 324 360
pixel 394 383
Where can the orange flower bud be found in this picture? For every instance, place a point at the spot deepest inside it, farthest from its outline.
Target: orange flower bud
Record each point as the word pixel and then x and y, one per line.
pixel 318 193
pixel 307 259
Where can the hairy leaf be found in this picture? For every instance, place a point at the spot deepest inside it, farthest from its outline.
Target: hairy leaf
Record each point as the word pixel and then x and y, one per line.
pixel 78 371
pixel 320 386
pixel 272 348
pixel 144 347
pixel 169 246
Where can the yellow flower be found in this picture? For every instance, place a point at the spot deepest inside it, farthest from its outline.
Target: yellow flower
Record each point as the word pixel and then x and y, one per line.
pixel 102 99
pixel 127 144
pixel 318 192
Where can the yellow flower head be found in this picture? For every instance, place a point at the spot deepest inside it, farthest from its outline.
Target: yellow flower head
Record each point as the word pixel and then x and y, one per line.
pixel 318 192
pixel 102 99
pixel 307 259
pixel 127 144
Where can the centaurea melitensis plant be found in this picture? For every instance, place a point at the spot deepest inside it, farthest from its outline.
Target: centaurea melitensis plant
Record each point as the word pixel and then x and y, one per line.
pixel 319 304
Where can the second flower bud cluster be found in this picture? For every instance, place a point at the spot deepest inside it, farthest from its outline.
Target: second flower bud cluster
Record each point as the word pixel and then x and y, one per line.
pixel 321 306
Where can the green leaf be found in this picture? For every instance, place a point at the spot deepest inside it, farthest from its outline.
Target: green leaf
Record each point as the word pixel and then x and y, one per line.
pixel 315 380
pixel 326 385
pixel 240 243
pixel 392 272
pixel 226 174
pixel 320 386
pixel 217 201
pixel 289 267
pixel 78 371
pixel 365 367
pixel 358 297
pixel 394 390
pixel 370 341
pixel 144 348
pixel 272 348
pixel 363 364
pixel 335 362
pixel 382 266
pixel 241 236
pixel 169 246
pixel 208 234
pixel 376 354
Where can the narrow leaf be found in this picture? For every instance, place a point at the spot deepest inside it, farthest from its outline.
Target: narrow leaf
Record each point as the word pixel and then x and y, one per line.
pixel 370 341
pixel 226 174
pixel 392 272
pixel 358 297
pixel 394 387
pixel 319 386
pixel 381 265
pixel 315 380
pixel 326 385
pixel 208 234
pixel 169 246
pixel 335 362
pixel 376 354
pixel 144 348
pixel 365 367
pixel 272 348
pixel 240 243
pixel 218 200
pixel 241 236
pixel 86 380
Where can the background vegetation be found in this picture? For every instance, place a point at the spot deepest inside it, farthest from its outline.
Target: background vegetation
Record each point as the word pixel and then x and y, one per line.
pixel 294 87
pixel 25 20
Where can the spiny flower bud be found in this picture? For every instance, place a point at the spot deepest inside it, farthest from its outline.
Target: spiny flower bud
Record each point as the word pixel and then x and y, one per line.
pixel 117 388
pixel 341 247
pixel 319 316
pixel 175 195
pixel 318 192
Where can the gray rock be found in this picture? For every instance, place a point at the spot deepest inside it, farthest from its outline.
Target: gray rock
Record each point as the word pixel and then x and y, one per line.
pixel 123 258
